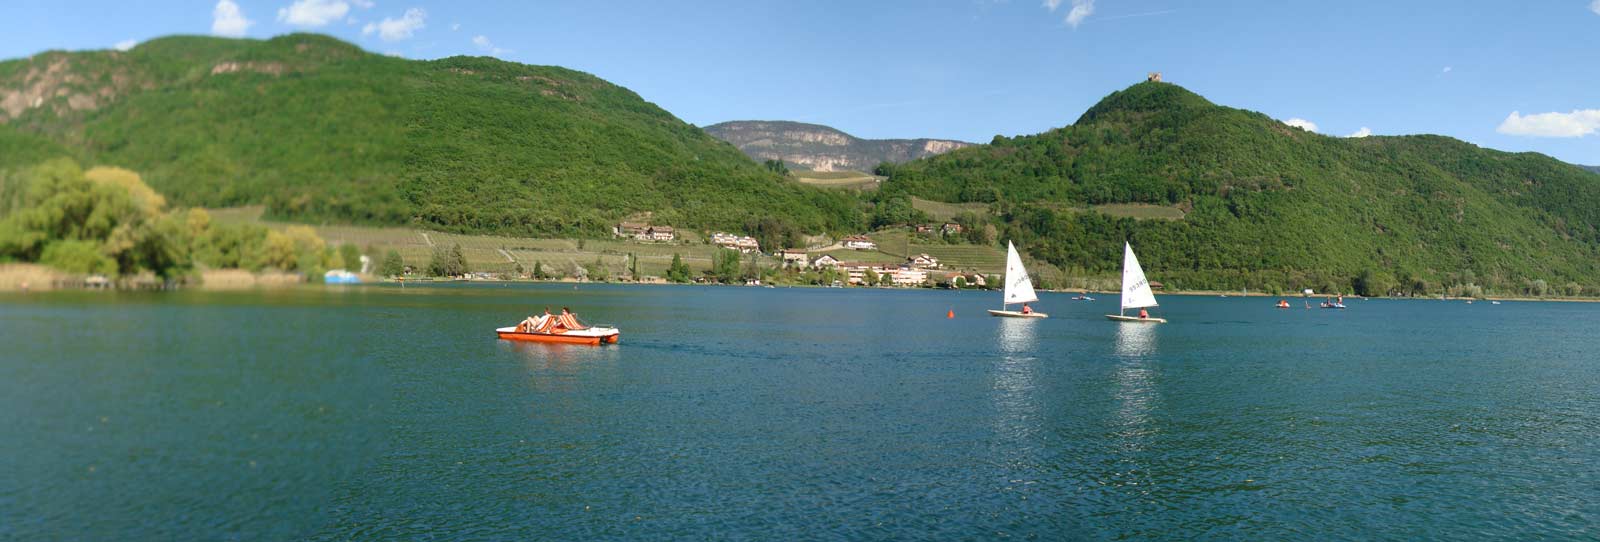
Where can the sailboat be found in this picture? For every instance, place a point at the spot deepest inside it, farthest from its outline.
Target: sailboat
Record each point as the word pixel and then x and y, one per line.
pixel 1136 292
pixel 1019 289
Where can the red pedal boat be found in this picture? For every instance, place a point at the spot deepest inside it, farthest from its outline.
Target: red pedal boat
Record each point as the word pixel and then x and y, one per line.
pixel 592 336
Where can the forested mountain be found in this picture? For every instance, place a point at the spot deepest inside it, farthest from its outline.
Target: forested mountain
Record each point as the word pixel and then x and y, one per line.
pixel 320 130
pixel 1270 206
pixel 1595 169
pixel 821 148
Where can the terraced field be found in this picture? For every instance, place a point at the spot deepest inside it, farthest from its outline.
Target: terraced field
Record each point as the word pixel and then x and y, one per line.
pixel 496 254
pixel 838 179
pixel 945 212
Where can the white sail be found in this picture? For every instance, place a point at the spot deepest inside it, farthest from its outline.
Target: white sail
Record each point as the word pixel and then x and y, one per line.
pixel 1136 292
pixel 1019 289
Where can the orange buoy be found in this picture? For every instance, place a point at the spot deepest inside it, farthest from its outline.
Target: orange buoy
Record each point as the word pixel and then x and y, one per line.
pixel 951 314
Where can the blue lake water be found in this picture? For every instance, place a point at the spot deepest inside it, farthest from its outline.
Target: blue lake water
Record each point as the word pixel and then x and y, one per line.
pixel 751 413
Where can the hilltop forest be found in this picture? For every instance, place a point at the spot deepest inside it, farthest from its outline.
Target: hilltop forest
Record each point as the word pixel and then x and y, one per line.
pixel 318 130
pixel 1271 207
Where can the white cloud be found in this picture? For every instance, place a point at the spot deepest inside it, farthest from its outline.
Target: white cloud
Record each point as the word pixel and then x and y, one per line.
pixel 1448 69
pixel 126 44
pixel 313 12
pixel 1363 132
pixel 485 45
pixel 1302 124
pixel 227 20
pixel 1081 9
pixel 1578 123
pixel 455 26
pixel 398 29
pixel 1595 7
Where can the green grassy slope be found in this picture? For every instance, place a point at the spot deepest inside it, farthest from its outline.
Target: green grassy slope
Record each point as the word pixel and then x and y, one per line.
pixel 318 130
pixel 1269 205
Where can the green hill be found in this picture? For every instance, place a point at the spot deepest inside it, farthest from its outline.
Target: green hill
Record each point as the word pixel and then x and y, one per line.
pixel 319 130
pixel 821 148
pixel 1271 206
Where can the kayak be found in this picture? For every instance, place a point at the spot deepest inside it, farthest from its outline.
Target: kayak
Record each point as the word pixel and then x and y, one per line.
pixel 1018 314
pixel 592 336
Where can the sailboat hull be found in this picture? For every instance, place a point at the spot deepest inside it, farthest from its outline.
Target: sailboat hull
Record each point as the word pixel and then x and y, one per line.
pixel 1137 319
pixel 1015 314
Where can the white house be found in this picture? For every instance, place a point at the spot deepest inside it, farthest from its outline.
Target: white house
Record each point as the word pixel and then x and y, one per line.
pixel 825 260
pixel 736 242
pixel 859 242
pixel 924 261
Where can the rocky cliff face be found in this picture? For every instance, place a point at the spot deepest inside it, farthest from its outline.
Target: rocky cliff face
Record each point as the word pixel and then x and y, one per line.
pixel 820 148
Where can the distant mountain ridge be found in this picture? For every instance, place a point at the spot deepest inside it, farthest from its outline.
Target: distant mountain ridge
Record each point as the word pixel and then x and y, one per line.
pixel 1275 208
pixel 822 148
pixel 1595 169
pixel 319 130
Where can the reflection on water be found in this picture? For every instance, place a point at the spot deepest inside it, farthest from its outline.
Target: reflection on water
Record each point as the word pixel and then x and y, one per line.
pixel 558 357
pixel 1136 340
pixel 1136 384
pixel 1016 403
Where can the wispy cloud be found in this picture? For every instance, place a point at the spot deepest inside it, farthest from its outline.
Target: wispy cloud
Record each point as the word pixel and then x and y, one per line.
pixel 1302 124
pixel 1595 7
pixel 1363 132
pixel 228 20
pixel 125 44
pixel 390 29
pixel 1081 9
pixel 1134 15
pixel 1578 123
pixel 363 4
pixel 313 12
pixel 1448 69
pixel 455 26
pixel 487 46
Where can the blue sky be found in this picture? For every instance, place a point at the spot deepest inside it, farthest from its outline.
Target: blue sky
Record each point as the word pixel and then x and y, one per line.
pixel 971 69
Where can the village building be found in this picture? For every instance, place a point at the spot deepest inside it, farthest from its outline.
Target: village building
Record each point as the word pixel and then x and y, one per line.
pixel 825 260
pixel 793 258
pixel 660 233
pixel 741 243
pixel 951 228
pixel 859 242
pixel 924 261
pixel 641 231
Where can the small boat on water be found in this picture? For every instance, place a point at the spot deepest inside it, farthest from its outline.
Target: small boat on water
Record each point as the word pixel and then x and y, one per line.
pixel 1136 292
pixel 1082 297
pixel 1333 304
pixel 1019 288
pixel 559 328
pixel 1283 303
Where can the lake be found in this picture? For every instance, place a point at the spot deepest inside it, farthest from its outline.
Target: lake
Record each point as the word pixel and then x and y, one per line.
pixel 376 412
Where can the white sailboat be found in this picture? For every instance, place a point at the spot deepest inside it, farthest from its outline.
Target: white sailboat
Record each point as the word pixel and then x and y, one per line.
pixel 1019 288
pixel 1136 292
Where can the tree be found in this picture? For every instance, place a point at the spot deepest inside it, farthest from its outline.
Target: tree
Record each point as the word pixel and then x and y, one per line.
pixel 871 278
pixel 599 272
pixel 538 270
pixel 678 271
pixel 633 266
pixel 725 265
pixel 351 256
pixel 81 257
pixel 777 166
pixel 393 264
pixel 451 262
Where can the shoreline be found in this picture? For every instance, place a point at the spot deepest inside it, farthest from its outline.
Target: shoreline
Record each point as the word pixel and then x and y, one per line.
pixel 278 281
